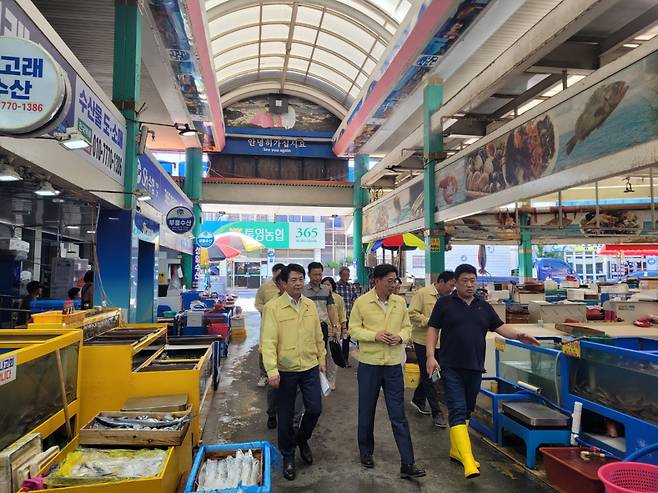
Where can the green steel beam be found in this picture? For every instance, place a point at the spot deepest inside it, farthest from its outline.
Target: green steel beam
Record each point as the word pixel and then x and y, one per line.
pixel 360 200
pixel 432 150
pixel 525 249
pixel 193 189
pixel 126 82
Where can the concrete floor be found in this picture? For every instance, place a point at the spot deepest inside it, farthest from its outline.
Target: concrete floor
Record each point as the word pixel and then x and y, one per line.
pixel 238 414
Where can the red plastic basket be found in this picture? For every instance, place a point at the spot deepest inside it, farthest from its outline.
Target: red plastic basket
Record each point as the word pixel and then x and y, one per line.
pixel 629 477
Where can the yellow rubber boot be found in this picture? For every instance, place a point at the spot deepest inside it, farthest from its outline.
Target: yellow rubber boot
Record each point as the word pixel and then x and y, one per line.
pixel 454 451
pixel 462 443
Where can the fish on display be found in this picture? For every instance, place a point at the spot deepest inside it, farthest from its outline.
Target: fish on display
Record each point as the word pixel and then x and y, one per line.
pixel 597 109
pixel 139 423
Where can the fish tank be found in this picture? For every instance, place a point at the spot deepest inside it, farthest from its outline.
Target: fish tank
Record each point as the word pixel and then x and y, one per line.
pixel 618 378
pixel 538 366
pixel 35 394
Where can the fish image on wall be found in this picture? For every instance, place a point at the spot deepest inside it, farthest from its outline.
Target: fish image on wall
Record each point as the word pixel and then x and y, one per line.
pixel 597 110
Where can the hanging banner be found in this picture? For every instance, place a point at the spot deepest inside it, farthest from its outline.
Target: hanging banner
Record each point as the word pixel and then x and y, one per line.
pixel 165 193
pixel 102 126
pixel 298 235
pixel 616 114
pixel 581 224
pixel 412 62
pixel 401 207
pixel 33 89
pixel 104 133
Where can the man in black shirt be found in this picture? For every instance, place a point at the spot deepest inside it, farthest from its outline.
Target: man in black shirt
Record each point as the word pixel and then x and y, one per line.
pixel 464 321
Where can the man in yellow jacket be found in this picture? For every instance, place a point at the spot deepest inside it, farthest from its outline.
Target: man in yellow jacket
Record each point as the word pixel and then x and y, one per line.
pixel 420 309
pixel 380 322
pixel 294 355
pixel 266 292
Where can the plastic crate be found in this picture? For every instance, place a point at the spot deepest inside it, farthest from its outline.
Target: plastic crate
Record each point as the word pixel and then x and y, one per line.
pixel 566 471
pixel 270 457
pixel 220 329
pixel 238 335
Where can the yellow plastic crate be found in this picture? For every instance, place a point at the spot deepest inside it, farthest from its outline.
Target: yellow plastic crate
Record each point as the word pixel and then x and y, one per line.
pixel 238 335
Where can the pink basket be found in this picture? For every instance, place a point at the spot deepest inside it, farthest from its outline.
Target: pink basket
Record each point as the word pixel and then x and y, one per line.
pixel 629 477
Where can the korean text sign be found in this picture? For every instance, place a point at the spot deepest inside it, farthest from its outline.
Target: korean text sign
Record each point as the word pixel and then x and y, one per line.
pixel 33 88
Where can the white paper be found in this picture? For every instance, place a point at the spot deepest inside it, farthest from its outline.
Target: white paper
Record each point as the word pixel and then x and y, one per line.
pixel 324 385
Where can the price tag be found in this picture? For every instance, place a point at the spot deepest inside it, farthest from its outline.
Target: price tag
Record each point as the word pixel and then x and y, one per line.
pixel 572 349
pixel 500 344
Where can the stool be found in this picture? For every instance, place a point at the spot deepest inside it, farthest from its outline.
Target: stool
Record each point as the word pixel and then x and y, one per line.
pixel 532 437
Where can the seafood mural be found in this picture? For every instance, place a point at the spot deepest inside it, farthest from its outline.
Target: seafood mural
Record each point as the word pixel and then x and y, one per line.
pixel 404 206
pixel 618 113
pixel 547 226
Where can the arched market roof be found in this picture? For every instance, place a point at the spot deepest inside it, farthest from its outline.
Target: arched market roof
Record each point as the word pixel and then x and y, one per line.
pixel 323 50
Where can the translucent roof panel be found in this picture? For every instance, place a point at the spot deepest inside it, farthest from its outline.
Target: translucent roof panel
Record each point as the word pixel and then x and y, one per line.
pixel 330 46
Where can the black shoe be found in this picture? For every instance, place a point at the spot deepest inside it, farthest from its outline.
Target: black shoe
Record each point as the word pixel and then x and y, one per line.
pixel 271 422
pixel 439 420
pixel 289 471
pixel 421 408
pixel 408 471
pixel 367 462
pixel 305 451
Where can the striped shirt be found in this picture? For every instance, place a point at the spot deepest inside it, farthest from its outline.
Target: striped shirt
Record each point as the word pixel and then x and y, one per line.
pixel 322 298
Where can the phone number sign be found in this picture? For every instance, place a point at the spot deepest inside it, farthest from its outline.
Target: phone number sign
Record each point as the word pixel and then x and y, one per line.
pixel 7 369
pixel 33 88
pixel 105 135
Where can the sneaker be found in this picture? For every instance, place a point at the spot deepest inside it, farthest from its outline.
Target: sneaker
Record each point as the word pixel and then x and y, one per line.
pixel 421 408
pixel 262 382
pixel 439 421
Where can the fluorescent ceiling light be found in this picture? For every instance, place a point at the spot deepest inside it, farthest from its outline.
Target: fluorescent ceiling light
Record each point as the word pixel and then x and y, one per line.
pixel 630 45
pixel 529 105
pixel 472 140
pixel 142 195
pixel 71 226
pixel 8 173
pixel 72 139
pixel 47 190
pixel 91 231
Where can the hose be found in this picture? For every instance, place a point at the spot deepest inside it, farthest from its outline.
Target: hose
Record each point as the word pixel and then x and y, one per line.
pixel 643 451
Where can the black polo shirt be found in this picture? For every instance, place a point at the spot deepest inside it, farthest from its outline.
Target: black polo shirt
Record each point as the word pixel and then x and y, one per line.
pixel 463 331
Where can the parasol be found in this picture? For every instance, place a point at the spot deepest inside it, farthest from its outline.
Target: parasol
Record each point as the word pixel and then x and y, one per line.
pixel 219 252
pixel 405 241
pixel 238 241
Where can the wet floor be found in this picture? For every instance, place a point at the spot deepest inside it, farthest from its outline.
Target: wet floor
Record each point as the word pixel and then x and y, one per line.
pixel 238 415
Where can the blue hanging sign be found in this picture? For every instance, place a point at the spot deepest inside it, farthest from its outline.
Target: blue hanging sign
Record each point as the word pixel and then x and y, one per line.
pixel 205 239
pixel 180 220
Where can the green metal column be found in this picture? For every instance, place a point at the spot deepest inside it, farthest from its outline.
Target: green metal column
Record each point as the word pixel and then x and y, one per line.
pixel 360 200
pixel 432 150
pixel 126 83
pixel 192 188
pixel 525 249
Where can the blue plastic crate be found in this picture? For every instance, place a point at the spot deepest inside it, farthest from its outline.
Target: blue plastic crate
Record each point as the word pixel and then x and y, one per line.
pixel 271 459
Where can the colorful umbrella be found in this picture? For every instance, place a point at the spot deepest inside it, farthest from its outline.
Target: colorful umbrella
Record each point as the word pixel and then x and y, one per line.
pixel 238 241
pixel 405 241
pixel 219 252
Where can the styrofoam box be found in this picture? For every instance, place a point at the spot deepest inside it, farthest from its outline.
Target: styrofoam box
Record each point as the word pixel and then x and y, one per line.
pixel 556 312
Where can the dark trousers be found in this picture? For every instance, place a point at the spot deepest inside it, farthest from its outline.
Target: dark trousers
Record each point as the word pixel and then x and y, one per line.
pixel 346 349
pixel 371 379
pixel 426 388
pixel 272 397
pixel 309 383
pixel 461 391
